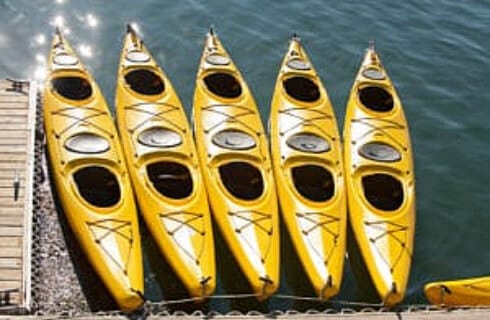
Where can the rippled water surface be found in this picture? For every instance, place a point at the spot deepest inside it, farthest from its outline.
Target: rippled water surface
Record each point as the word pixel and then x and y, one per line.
pixel 437 53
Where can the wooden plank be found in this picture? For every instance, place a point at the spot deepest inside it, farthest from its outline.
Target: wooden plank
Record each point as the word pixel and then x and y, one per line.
pixel 14 299
pixel 5 211
pixel 14 126
pixel 13 120
pixel 11 173
pixel 12 263
pixel 18 140
pixel 16 157
pixel 11 252
pixel 17 221
pixel 17 112
pixel 15 148
pixel 10 274
pixel 9 284
pixel 10 166
pixel 9 241
pixel 8 194
pixel 11 231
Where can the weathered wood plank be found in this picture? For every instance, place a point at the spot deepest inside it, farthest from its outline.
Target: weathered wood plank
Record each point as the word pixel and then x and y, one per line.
pixel 10 241
pixel 16 220
pixel 15 126
pixel 5 211
pixel 11 252
pixel 14 298
pixel 17 157
pixel 8 194
pixel 10 274
pixel 13 148
pixel 11 231
pixel 9 284
pixel 13 263
pixel 23 112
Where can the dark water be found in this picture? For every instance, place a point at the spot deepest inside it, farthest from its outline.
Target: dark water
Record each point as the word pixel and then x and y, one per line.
pixel 437 53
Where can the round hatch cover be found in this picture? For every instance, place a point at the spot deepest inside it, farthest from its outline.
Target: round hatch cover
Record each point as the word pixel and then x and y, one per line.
pixel 87 143
pixel 137 56
pixel 160 138
pixel 65 59
pixel 298 64
pixel 380 152
pixel 373 74
pixel 218 60
pixel 308 142
pixel 234 139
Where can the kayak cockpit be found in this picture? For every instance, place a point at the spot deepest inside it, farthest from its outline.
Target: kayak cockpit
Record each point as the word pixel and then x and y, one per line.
pixel 98 186
pixel 171 179
pixel 72 87
pixel 144 81
pixel 383 191
pixel 223 84
pixel 313 182
pixel 302 89
pixel 376 98
pixel 243 180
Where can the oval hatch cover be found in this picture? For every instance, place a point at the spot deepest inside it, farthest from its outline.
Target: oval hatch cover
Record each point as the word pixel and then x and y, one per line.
pixel 159 138
pixel 308 142
pixel 65 59
pixel 218 60
pixel 234 140
pixel 137 56
pixel 380 152
pixel 373 74
pixel 298 64
pixel 87 143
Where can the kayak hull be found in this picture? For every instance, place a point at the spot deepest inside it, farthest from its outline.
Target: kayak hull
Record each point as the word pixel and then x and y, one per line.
pixel 233 153
pixel 462 292
pixel 380 179
pixel 164 169
pixel 308 168
pixel 90 175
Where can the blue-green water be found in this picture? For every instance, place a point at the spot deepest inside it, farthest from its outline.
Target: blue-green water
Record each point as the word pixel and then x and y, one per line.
pixel 437 53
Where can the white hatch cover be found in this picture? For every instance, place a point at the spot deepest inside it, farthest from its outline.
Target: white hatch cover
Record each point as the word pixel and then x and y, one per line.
pixel 218 60
pixel 380 152
pixel 87 143
pixel 234 140
pixel 298 64
pixel 308 142
pixel 137 56
pixel 159 138
pixel 65 59
pixel 373 74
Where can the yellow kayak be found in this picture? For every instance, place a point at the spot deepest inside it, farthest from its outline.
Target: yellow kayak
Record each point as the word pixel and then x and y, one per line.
pixel 463 292
pixel 90 175
pixel 380 179
pixel 163 165
pixel 308 168
pixel 233 152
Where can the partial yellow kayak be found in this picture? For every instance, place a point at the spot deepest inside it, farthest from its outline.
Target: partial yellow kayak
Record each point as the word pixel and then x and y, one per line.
pixel 462 292
pixel 233 152
pixel 90 175
pixel 164 168
pixel 380 179
pixel 308 168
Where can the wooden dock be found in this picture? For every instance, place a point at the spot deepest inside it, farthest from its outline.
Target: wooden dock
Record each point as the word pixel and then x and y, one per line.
pixel 17 134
